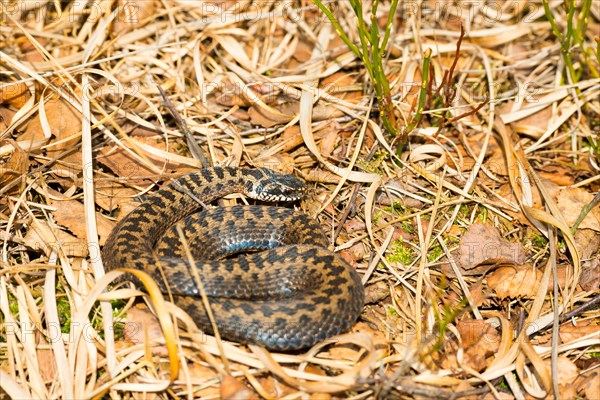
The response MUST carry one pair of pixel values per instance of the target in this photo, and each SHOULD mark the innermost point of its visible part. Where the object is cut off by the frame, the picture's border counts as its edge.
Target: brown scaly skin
(291, 295)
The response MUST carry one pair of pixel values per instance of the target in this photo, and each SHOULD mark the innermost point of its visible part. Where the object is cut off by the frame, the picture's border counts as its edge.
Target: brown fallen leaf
(200, 373)
(590, 274)
(587, 242)
(64, 122)
(71, 214)
(376, 292)
(6, 115)
(322, 176)
(291, 138)
(343, 86)
(321, 112)
(320, 396)
(14, 94)
(480, 297)
(125, 165)
(329, 136)
(533, 125)
(591, 384)
(132, 15)
(267, 117)
(569, 332)
(480, 341)
(463, 386)
(275, 387)
(29, 52)
(355, 225)
(356, 253)
(558, 174)
(515, 282)
(232, 389)
(280, 162)
(45, 356)
(570, 201)
(482, 244)
(14, 167)
(501, 396)
(113, 195)
(567, 373)
(45, 237)
(139, 326)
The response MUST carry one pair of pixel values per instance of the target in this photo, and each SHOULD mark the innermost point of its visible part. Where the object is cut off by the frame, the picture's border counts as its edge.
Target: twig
(595, 302)
(189, 138)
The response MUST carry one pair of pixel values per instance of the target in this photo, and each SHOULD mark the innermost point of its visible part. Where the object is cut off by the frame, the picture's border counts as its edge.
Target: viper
(268, 275)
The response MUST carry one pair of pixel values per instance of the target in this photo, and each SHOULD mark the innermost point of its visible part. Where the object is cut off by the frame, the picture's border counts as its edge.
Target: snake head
(269, 185)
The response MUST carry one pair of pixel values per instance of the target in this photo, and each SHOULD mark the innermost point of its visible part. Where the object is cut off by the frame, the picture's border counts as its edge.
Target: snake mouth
(280, 198)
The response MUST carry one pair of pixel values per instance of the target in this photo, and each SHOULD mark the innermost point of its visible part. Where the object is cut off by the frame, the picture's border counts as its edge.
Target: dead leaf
(127, 166)
(229, 94)
(303, 52)
(64, 121)
(591, 385)
(291, 138)
(478, 293)
(482, 244)
(113, 195)
(480, 341)
(559, 174)
(515, 282)
(502, 396)
(587, 242)
(590, 274)
(132, 15)
(321, 176)
(45, 356)
(232, 389)
(71, 214)
(280, 162)
(567, 373)
(6, 116)
(562, 271)
(45, 237)
(320, 396)
(200, 373)
(140, 326)
(321, 112)
(376, 292)
(570, 201)
(329, 137)
(267, 117)
(14, 94)
(569, 333)
(533, 125)
(275, 387)
(343, 86)
(355, 225)
(14, 167)
(463, 386)
(30, 53)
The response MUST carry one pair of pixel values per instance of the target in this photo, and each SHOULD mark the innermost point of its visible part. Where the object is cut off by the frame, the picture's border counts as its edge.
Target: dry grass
(85, 130)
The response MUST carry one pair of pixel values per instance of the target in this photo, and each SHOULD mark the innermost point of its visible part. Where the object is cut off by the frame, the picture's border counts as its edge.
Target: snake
(267, 272)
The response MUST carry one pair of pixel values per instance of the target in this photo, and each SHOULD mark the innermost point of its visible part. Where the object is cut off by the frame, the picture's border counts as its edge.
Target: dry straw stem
(272, 85)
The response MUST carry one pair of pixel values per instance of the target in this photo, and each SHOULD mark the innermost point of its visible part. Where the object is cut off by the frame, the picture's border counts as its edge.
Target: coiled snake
(289, 295)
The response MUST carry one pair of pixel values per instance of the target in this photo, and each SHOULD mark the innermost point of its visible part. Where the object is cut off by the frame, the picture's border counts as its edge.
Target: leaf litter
(459, 240)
